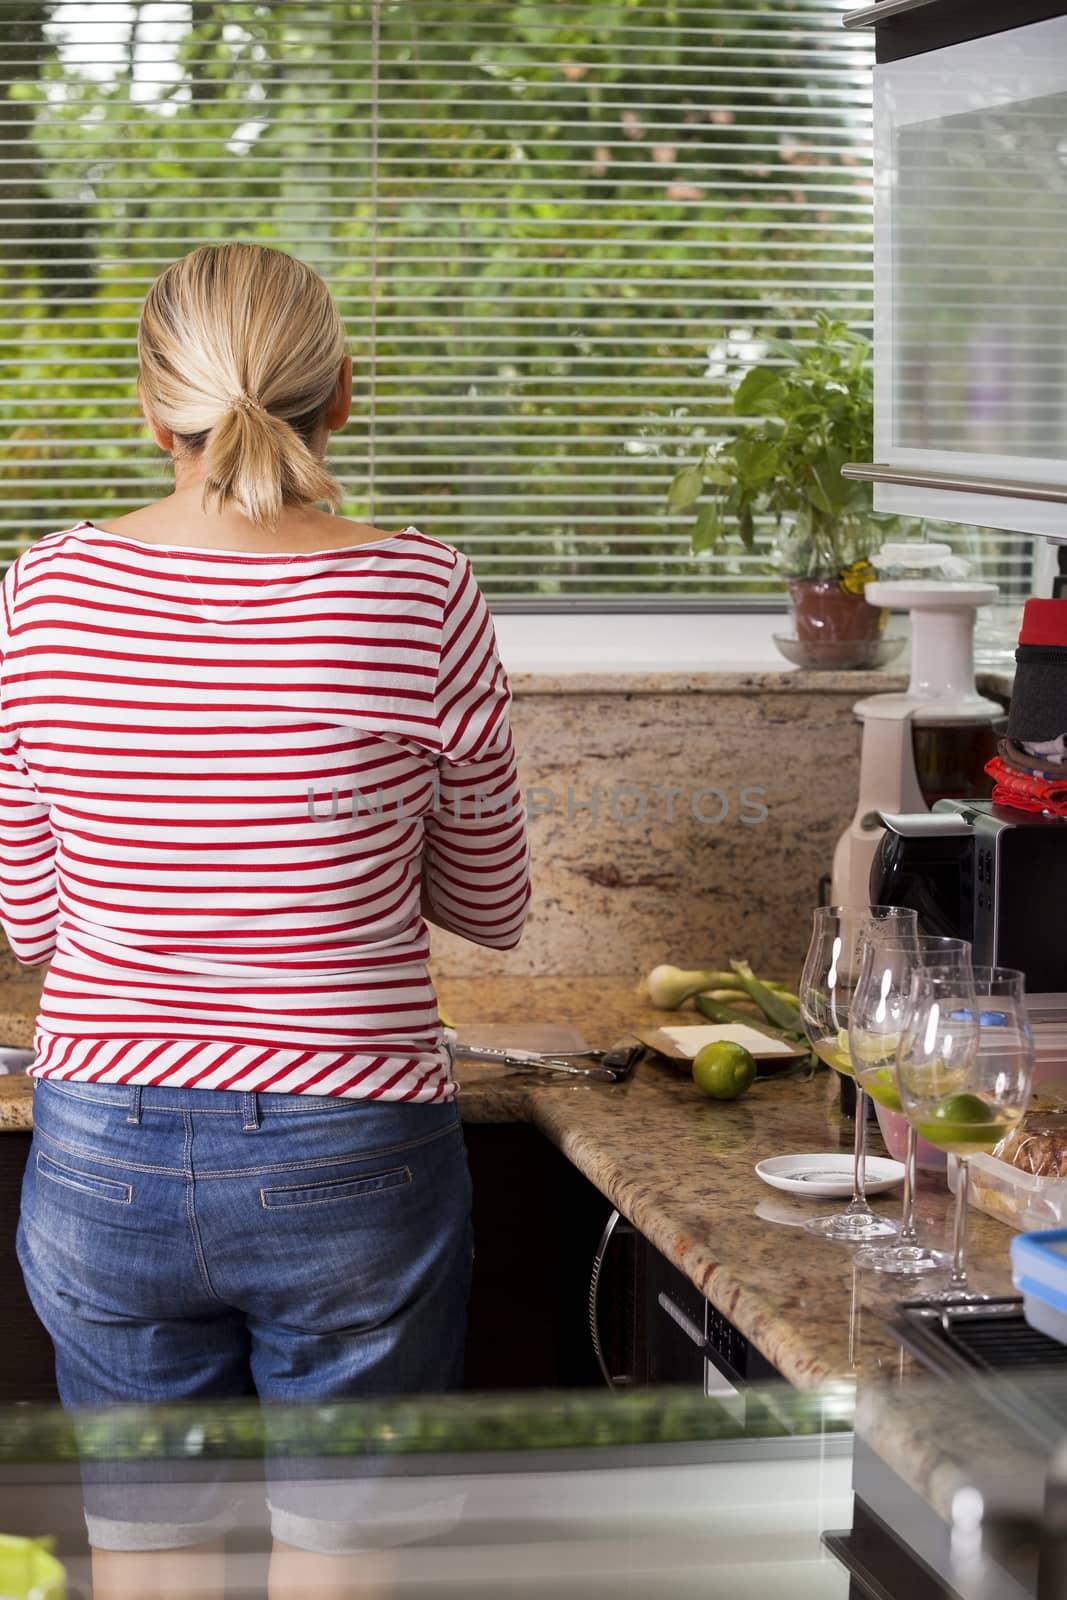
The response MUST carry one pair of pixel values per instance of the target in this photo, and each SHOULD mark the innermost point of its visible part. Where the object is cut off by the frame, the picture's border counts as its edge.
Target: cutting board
(681, 1043)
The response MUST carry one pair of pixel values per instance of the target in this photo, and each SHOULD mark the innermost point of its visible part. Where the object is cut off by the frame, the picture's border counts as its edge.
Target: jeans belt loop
(250, 1113)
(136, 1093)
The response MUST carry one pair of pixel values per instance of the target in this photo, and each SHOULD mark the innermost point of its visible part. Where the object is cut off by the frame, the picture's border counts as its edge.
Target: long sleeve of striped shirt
(476, 860)
(28, 897)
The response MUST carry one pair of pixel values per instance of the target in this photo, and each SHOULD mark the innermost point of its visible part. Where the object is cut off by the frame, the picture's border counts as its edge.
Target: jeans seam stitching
(327, 1161)
(246, 1172)
(190, 1208)
(110, 1161)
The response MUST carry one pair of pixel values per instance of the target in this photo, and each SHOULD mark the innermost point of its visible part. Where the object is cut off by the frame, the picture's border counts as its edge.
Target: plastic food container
(1048, 1023)
(1018, 1198)
(1039, 1272)
(29, 1571)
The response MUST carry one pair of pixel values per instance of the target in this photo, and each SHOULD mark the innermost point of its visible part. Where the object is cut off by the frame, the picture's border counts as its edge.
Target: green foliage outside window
(543, 222)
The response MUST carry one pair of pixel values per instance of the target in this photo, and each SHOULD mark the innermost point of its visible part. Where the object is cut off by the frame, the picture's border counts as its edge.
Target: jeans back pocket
(312, 1194)
(83, 1182)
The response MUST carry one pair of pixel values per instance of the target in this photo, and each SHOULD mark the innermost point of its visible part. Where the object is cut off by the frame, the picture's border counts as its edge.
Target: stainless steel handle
(926, 825)
(620, 1380)
(916, 478)
(871, 16)
(685, 1322)
(717, 1385)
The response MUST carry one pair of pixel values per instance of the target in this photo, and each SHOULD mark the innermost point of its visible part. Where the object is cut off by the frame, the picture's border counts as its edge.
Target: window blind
(555, 229)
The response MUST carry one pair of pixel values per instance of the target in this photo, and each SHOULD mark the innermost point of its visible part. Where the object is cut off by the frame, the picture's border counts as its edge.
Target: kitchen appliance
(649, 1324)
(987, 1339)
(1004, 1536)
(972, 870)
(970, 222)
(931, 741)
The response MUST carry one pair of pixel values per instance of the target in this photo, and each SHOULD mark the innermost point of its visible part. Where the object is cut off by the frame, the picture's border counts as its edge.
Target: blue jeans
(189, 1244)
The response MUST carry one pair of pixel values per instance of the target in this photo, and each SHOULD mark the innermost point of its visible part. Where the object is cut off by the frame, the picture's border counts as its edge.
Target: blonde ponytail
(240, 347)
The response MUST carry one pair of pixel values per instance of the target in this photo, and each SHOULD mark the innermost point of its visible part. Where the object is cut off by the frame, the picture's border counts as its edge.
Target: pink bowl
(894, 1126)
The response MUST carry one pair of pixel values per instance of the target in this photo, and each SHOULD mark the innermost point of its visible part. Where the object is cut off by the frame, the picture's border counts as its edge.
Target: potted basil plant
(807, 415)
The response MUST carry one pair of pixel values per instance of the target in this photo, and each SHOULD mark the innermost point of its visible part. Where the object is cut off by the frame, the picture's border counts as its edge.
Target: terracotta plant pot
(826, 612)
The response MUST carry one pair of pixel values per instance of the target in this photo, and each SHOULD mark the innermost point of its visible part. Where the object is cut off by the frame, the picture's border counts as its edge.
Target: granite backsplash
(686, 819)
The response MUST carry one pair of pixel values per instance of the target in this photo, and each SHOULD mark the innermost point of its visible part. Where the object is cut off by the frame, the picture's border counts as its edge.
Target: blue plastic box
(1039, 1272)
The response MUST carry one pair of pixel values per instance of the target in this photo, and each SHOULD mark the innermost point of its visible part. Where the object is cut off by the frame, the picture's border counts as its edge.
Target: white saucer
(829, 1175)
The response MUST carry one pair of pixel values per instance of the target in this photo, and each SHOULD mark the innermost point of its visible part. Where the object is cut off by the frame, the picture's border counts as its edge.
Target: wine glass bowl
(969, 1112)
(840, 935)
(965, 1070)
(876, 1025)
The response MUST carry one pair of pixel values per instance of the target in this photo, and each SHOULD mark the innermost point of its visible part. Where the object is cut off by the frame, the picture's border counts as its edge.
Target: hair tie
(243, 402)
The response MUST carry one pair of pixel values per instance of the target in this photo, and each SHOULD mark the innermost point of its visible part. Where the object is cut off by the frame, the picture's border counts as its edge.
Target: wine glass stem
(909, 1234)
(959, 1231)
(858, 1204)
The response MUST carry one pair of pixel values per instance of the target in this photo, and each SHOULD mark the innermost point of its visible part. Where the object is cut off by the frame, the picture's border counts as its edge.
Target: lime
(724, 1071)
(835, 1053)
(961, 1119)
(883, 1088)
(869, 1048)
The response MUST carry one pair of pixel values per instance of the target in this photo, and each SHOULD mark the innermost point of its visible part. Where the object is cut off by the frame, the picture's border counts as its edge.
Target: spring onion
(775, 1007)
(669, 987)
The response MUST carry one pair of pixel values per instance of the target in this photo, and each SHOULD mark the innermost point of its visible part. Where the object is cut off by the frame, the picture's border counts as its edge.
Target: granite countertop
(732, 679)
(727, 679)
(19, 995)
(680, 1167)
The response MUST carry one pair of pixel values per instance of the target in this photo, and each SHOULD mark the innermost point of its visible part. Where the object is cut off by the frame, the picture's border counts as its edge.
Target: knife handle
(473, 1052)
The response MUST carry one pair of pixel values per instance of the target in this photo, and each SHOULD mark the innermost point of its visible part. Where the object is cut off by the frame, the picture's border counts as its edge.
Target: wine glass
(875, 1025)
(831, 969)
(964, 1069)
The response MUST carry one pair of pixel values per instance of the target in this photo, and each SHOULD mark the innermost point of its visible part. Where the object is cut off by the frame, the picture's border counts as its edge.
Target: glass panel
(970, 237)
(980, 235)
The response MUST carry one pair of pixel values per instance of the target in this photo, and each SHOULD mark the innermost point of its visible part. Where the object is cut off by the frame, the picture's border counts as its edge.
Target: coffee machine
(973, 870)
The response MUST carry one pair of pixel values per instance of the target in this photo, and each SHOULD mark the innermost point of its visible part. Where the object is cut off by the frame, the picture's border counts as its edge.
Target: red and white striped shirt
(224, 780)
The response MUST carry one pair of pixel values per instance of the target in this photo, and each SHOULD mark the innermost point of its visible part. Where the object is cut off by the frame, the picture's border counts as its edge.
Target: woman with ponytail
(247, 749)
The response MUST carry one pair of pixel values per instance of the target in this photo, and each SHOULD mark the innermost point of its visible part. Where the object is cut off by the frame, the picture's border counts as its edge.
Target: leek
(669, 987)
(716, 1011)
(731, 997)
(775, 1007)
